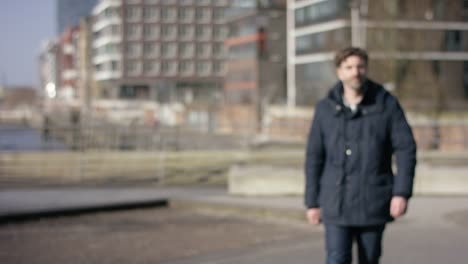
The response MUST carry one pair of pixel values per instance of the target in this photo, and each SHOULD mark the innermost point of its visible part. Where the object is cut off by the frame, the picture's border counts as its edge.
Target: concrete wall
(268, 172)
(265, 180)
(435, 175)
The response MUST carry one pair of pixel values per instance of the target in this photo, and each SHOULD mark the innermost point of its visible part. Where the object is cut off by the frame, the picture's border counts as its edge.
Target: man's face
(352, 72)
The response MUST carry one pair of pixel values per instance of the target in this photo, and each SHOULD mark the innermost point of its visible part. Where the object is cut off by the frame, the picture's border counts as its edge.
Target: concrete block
(442, 180)
(251, 180)
(265, 180)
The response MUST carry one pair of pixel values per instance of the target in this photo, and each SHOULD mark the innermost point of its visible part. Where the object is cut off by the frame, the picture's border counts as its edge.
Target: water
(16, 138)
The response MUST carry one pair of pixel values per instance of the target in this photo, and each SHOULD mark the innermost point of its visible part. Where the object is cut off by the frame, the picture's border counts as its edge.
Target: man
(350, 186)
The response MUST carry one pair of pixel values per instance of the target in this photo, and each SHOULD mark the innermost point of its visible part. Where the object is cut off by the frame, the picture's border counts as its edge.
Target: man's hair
(343, 54)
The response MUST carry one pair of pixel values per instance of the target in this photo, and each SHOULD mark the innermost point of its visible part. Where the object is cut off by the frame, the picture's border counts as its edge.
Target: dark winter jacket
(348, 164)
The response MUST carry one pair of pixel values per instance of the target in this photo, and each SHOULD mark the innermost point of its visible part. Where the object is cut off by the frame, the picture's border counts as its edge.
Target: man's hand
(313, 216)
(398, 206)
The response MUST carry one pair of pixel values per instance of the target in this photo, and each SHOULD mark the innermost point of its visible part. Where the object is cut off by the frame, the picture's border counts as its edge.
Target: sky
(24, 25)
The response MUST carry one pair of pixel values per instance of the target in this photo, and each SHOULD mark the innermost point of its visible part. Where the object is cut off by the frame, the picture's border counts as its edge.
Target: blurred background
(171, 92)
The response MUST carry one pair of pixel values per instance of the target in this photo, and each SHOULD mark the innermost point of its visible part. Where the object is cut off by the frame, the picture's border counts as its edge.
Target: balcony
(107, 75)
(104, 4)
(98, 59)
(104, 40)
(69, 74)
(68, 49)
(104, 22)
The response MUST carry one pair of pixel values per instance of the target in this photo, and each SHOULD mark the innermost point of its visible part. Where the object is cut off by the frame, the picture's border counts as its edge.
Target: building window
(391, 7)
(203, 2)
(219, 32)
(313, 80)
(186, 14)
(186, 67)
(169, 32)
(465, 78)
(218, 14)
(150, 50)
(218, 68)
(134, 91)
(133, 32)
(438, 9)
(316, 12)
(108, 13)
(150, 14)
(329, 41)
(203, 14)
(133, 13)
(99, 67)
(186, 32)
(186, 2)
(168, 14)
(133, 50)
(203, 32)
(97, 34)
(133, 68)
(299, 16)
(150, 2)
(203, 50)
(150, 67)
(221, 2)
(169, 68)
(243, 51)
(218, 49)
(169, 50)
(186, 50)
(107, 49)
(151, 32)
(115, 66)
(203, 68)
(168, 2)
(453, 40)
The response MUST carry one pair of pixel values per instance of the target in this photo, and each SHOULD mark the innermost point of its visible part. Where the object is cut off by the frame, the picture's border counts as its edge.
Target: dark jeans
(339, 241)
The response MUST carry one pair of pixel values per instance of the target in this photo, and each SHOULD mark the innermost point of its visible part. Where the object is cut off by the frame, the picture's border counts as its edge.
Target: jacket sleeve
(314, 162)
(404, 149)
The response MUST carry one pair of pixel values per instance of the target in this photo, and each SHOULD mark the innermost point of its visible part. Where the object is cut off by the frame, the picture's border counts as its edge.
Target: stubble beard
(356, 85)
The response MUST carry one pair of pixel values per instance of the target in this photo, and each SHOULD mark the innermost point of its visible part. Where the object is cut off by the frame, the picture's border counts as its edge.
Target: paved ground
(434, 231)
(138, 236)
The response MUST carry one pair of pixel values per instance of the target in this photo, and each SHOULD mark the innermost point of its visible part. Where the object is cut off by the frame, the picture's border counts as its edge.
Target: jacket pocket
(378, 200)
(331, 198)
(381, 179)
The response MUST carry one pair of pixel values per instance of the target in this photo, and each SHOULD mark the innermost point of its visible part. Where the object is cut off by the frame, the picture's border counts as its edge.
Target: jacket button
(338, 107)
(348, 152)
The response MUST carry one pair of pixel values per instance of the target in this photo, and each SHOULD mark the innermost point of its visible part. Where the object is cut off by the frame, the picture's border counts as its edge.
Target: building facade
(418, 49)
(86, 84)
(69, 12)
(161, 50)
(69, 63)
(48, 69)
(256, 64)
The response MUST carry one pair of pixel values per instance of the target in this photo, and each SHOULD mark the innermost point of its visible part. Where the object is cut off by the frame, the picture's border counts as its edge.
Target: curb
(80, 210)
